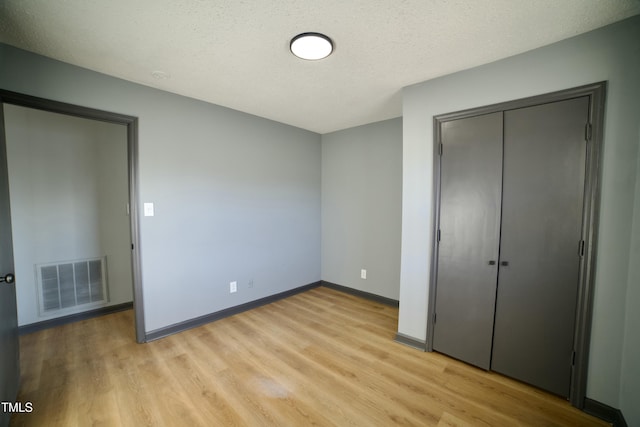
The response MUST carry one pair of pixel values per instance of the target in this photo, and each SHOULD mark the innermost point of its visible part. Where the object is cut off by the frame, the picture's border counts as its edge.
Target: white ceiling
(235, 53)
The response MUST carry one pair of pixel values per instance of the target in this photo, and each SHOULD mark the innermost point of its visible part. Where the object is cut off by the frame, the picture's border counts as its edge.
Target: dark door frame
(8, 97)
(590, 217)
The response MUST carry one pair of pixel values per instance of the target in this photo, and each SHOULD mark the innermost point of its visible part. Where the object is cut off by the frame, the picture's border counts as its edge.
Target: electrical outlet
(363, 274)
(233, 287)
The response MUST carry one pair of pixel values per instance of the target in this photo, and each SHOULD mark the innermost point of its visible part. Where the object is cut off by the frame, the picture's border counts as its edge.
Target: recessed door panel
(470, 181)
(543, 186)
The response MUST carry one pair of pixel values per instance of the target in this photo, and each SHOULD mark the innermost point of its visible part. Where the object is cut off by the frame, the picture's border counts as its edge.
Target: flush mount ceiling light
(311, 46)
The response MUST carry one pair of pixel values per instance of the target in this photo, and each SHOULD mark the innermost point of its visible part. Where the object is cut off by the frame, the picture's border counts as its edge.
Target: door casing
(596, 93)
(8, 97)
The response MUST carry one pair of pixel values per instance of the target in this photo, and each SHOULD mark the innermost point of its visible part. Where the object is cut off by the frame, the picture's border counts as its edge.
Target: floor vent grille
(66, 285)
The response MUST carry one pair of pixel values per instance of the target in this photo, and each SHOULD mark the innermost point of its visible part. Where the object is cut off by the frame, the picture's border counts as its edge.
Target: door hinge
(573, 358)
(588, 129)
(440, 149)
(132, 246)
(581, 251)
(434, 318)
(438, 235)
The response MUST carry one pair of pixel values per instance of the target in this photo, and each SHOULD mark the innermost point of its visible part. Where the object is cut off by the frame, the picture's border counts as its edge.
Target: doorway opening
(87, 277)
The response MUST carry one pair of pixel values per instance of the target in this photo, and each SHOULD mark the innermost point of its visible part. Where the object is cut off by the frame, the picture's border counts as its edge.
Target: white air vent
(67, 285)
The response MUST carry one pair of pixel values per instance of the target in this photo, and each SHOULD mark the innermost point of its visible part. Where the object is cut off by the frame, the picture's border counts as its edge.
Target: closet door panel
(470, 179)
(543, 186)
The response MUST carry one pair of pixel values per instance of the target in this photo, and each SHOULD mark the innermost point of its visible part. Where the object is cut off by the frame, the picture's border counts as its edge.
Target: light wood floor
(318, 358)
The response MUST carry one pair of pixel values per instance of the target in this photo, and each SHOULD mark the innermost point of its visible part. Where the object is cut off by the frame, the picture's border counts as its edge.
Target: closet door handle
(504, 263)
(492, 262)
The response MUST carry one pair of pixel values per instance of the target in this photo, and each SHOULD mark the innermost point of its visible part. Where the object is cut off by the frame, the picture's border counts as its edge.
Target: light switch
(148, 209)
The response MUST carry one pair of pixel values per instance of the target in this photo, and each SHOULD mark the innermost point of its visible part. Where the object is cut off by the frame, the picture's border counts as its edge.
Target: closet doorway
(516, 224)
(87, 277)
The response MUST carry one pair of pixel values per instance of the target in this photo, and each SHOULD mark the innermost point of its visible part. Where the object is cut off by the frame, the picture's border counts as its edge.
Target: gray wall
(237, 197)
(611, 53)
(361, 207)
(68, 184)
(630, 371)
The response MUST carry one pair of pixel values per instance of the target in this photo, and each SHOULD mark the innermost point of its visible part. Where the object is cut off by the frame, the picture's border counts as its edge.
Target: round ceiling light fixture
(311, 46)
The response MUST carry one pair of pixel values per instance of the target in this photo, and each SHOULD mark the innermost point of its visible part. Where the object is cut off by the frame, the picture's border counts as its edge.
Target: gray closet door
(470, 182)
(543, 187)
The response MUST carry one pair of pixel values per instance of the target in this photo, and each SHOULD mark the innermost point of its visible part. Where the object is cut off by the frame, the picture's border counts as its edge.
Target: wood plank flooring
(321, 358)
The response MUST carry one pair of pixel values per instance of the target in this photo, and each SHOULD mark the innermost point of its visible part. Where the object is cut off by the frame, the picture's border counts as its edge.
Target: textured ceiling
(235, 53)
